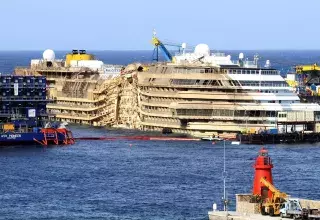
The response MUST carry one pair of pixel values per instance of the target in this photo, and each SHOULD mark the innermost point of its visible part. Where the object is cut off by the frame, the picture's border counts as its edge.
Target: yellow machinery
(307, 68)
(8, 127)
(159, 45)
(78, 55)
(271, 206)
(307, 79)
(292, 83)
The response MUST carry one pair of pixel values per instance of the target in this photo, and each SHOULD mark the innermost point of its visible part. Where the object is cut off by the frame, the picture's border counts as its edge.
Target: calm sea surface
(142, 179)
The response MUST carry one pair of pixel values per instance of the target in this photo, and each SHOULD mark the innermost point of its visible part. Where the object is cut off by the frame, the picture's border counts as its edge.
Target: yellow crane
(307, 68)
(271, 206)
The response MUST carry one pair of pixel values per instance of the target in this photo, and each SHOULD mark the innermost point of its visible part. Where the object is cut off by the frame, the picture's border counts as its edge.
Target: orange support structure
(51, 135)
(68, 138)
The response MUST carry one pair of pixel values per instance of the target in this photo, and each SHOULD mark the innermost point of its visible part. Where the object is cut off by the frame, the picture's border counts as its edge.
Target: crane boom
(157, 43)
(272, 205)
(307, 68)
(273, 189)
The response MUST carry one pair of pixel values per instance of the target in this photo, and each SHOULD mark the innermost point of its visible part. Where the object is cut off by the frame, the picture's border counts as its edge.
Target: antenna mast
(225, 199)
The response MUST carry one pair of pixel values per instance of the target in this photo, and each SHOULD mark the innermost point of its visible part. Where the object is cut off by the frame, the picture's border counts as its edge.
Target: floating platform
(286, 138)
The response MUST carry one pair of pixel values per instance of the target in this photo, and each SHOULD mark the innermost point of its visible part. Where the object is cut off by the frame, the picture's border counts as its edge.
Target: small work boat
(212, 139)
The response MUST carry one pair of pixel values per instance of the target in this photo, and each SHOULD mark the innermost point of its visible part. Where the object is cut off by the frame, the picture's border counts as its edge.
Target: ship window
(214, 83)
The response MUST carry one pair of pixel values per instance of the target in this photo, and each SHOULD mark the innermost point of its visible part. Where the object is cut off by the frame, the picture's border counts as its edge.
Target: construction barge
(266, 202)
(23, 116)
(285, 138)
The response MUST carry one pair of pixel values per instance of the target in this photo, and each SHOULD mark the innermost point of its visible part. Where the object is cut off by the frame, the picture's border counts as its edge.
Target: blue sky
(128, 24)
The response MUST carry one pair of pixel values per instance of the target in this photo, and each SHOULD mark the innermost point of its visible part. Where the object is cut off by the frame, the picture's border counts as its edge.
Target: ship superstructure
(208, 93)
(77, 85)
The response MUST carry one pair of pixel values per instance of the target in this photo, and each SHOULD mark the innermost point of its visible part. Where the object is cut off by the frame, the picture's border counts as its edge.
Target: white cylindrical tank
(49, 55)
(92, 64)
(202, 50)
(74, 63)
(35, 62)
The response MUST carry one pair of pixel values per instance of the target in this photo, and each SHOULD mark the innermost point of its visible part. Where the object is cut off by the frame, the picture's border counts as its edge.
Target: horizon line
(125, 50)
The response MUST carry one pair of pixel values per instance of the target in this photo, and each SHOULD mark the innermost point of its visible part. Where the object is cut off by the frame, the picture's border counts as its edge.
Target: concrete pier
(246, 210)
(222, 215)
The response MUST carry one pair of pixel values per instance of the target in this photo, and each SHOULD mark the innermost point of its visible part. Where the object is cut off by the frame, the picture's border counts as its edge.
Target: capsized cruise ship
(198, 93)
(79, 86)
(204, 93)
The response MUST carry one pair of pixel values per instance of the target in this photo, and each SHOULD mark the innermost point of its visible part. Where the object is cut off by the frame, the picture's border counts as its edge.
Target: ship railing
(208, 71)
(161, 121)
(22, 98)
(10, 114)
(230, 117)
(23, 85)
(235, 62)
